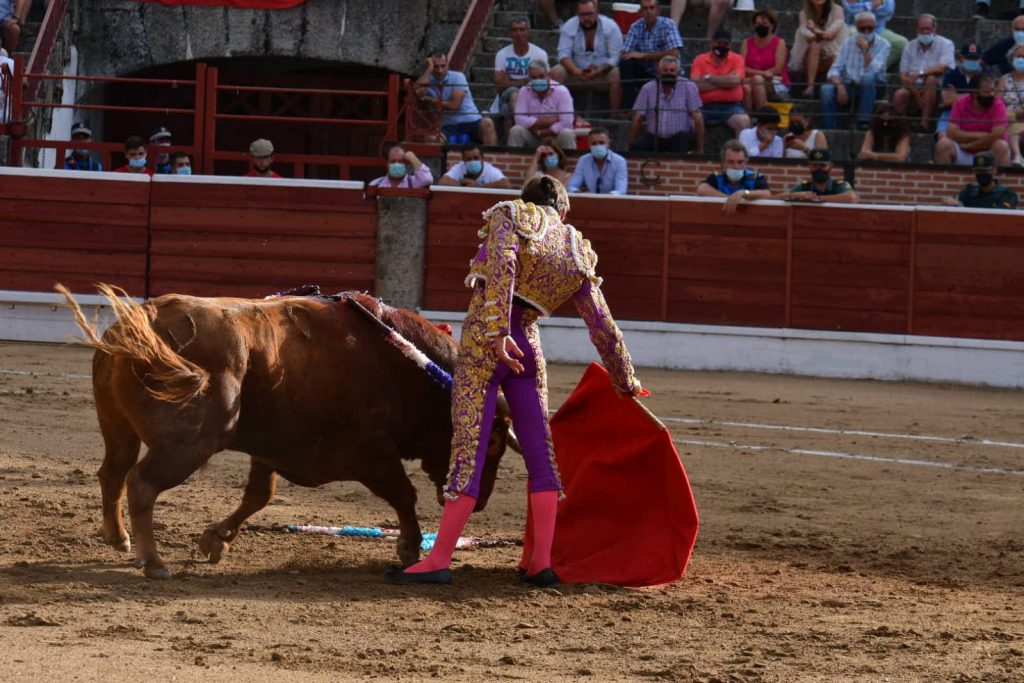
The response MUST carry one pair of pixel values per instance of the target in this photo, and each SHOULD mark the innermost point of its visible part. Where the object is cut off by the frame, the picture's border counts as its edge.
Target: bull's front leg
(389, 481)
(259, 490)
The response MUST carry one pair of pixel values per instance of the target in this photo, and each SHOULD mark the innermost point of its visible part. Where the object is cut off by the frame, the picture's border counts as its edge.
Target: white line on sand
(28, 373)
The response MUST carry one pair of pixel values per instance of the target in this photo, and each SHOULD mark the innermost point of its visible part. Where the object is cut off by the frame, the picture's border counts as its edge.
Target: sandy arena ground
(807, 568)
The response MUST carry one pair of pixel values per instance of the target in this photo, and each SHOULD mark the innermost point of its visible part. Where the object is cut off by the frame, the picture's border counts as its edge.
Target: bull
(308, 388)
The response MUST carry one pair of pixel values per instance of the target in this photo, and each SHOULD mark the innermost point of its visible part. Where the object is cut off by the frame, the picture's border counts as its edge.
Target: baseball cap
(159, 133)
(984, 160)
(819, 155)
(261, 148)
(970, 51)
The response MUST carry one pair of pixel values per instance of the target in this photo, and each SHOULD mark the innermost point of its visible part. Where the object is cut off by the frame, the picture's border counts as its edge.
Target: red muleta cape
(628, 517)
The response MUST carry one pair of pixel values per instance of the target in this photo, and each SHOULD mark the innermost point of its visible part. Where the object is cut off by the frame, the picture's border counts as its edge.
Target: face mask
(972, 66)
(669, 80)
(819, 175)
(762, 31)
(551, 161)
(987, 100)
(539, 84)
(1018, 37)
(926, 38)
(721, 52)
(1018, 63)
(599, 151)
(983, 179)
(797, 128)
(474, 167)
(735, 174)
(869, 37)
(184, 170)
(137, 163)
(396, 170)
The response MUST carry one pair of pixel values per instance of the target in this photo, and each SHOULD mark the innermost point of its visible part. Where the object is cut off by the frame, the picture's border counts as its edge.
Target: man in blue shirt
(449, 91)
(649, 39)
(860, 68)
(81, 159)
(736, 182)
(602, 171)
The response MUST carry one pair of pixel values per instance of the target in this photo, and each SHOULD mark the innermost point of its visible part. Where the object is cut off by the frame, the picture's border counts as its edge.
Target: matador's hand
(507, 347)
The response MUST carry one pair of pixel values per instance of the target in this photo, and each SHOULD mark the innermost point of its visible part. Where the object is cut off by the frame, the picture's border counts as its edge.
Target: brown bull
(309, 388)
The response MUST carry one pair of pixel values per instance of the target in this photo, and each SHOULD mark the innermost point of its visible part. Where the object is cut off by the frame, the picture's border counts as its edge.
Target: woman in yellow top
(529, 263)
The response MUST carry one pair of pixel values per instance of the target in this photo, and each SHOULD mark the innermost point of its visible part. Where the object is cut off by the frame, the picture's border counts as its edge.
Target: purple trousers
(527, 399)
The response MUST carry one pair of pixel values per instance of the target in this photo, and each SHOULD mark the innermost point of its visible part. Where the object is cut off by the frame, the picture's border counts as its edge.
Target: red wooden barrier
(252, 237)
(75, 228)
(969, 274)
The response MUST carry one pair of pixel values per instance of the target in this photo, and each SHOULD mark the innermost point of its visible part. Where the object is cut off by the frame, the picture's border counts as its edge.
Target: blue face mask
(972, 66)
(396, 170)
(551, 161)
(539, 84)
(184, 170)
(1018, 63)
(1018, 37)
(869, 37)
(474, 167)
(137, 163)
(599, 151)
(925, 38)
(735, 174)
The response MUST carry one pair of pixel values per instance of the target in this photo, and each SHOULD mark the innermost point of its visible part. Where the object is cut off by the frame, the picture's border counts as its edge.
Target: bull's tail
(168, 377)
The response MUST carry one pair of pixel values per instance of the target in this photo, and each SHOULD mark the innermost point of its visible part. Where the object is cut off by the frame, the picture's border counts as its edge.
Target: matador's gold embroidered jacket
(528, 252)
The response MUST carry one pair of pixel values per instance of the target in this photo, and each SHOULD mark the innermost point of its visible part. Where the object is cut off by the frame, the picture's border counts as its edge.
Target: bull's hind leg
(389, 481)
(159, 470)
(121, 453)
(217, 538)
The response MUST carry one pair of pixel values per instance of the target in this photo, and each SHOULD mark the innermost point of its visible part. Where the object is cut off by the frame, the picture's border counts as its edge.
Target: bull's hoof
(215, 543)
(138, 563)
(117, 541)
(159, 573)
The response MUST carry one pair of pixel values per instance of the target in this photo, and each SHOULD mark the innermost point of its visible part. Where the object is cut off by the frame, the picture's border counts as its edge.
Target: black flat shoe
(545, 578)
(441, 576)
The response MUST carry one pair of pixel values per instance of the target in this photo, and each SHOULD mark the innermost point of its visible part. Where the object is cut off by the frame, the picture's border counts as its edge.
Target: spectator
(977, 123)
(716, 12)
(955, 83)
(5, 61)
(262, 153)
(983, 7)
(449, 91)
(819, 38)
(602, 171)
(545, 109)
(399, 163)
(736, 182)
(551, 12)
(549, 159)
(860, 67)
(883, 11)
(161, 137)
(670, 107)
(996, 55)
(763, 140)
(512, 67)
(180, 164)
(801, 137)
(1011, 89)
(649, 39)
(987, 193)
(719, 76)
(922, 67)
(473, 171)
(888, 139)
(13, 14)
(764, 55)
(589, 46)
(81, 159)
(135, 152)
(821, 187)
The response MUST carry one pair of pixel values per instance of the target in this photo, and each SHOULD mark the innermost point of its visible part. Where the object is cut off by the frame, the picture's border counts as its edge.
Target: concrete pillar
(401, 250)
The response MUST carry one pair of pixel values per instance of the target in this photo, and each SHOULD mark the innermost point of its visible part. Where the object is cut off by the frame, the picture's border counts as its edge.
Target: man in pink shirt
(977, 123)
(544, 110)
(400, 162)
